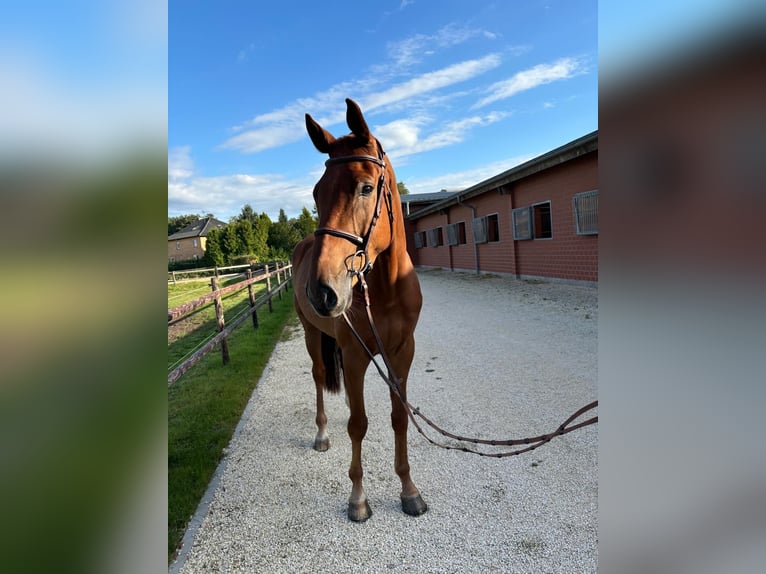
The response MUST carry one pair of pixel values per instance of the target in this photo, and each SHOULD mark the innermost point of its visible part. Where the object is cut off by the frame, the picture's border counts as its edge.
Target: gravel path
(495, 357)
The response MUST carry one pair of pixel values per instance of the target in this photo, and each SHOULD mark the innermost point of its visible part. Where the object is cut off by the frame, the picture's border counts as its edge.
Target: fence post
(174, 277)
(268, 286)
(251, 296)
(220, 321)
(279, 282)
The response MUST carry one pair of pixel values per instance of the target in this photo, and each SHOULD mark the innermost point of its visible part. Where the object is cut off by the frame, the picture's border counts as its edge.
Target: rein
(394, 384)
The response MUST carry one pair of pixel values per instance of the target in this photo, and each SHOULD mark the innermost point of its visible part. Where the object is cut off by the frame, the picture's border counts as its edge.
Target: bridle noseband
(362, 241)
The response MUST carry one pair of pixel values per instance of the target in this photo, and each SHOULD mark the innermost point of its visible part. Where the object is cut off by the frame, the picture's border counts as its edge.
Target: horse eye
(366, 189)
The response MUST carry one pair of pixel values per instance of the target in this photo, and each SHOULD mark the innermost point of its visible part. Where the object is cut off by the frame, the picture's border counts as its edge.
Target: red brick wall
(565, 255)
(432, 256)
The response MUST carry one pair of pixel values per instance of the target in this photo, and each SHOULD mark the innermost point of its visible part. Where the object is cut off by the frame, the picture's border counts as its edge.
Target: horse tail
(333, 364)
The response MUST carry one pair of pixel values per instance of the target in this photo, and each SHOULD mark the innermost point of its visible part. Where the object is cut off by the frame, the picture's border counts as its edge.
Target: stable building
(538, 220)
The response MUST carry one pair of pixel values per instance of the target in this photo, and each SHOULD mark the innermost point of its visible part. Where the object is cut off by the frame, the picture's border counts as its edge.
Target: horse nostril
(326, 297)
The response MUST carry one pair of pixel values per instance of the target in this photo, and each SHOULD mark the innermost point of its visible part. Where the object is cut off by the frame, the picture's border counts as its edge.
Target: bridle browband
(362, 241)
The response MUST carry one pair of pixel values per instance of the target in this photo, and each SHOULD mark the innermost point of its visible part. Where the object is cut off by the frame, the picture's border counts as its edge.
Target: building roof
(427, 197)
(199, 228)
(581, 146)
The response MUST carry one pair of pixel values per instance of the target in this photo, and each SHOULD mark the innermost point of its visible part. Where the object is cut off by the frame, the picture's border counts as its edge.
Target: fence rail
(210, 271)
(283, 275)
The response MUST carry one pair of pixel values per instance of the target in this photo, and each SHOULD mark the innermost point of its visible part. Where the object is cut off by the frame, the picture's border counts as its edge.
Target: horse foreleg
(412, 502)
(322, 440)
(358, 507)
(318, 370)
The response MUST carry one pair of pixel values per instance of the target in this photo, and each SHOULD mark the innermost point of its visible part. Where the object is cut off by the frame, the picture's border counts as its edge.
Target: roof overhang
(574, 149)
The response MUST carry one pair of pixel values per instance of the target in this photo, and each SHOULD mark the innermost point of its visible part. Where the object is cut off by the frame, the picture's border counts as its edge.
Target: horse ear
(320, 137)
(355, 120)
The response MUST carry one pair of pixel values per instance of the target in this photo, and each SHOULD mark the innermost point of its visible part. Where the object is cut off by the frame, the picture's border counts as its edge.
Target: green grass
(204, 406)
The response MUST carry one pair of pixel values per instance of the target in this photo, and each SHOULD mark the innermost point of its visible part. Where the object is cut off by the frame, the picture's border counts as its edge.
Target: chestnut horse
(360, 243)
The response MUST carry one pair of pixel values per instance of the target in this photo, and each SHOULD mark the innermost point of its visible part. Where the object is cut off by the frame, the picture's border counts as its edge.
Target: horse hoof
(321, 445)
(414, 505)
(359, 512)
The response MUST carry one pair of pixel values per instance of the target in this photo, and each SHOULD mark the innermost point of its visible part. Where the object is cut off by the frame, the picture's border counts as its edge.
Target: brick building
(538, 220)
(189, 242)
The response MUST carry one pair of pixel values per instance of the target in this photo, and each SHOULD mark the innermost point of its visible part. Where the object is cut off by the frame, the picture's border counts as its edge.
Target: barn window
(493, 228)
(542, 225)
(456, 233)
(532, 222)
(435, 237)
(178, 245)
(486, 229)
(586, 212)
(420, 239)
(195, 243)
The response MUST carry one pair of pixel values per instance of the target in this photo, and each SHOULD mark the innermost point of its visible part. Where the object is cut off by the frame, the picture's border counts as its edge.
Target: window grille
(586, 212)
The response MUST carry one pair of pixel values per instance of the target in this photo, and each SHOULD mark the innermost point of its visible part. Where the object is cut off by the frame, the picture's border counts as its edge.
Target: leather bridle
(383, 194)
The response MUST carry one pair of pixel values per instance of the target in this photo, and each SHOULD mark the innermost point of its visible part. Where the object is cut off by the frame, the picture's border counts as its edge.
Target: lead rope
(394, 385)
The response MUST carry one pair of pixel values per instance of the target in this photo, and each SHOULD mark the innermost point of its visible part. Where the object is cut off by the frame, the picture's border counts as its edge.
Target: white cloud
(180, 164)
(561, 69)
(464, 179)
(399, 133)
(450, 133)
(285, 125)
(432, 81)
(224, 196)
(410, 50)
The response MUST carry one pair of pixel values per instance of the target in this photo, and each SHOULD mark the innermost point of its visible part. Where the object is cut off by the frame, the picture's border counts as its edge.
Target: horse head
(354, 191)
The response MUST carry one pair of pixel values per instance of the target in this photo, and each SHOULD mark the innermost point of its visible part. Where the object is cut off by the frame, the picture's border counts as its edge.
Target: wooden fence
(182, 274)
(283, 275)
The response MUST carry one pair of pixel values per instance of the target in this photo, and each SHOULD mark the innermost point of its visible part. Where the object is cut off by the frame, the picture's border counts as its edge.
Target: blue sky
(456, 91)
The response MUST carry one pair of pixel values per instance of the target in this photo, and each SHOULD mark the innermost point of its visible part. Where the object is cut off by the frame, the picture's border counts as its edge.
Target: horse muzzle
(328, 300)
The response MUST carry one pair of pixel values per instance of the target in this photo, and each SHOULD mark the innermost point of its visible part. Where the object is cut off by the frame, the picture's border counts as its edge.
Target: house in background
(189, 242)
(538, 220)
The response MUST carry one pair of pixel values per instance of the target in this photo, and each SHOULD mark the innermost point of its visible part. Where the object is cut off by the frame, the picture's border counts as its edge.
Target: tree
(232, 246)
(213, 248)
(402, 188)
(283, 237)
(247, 214)
(306, 223)
(179, 222)
(261, 228)
(246, 235)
